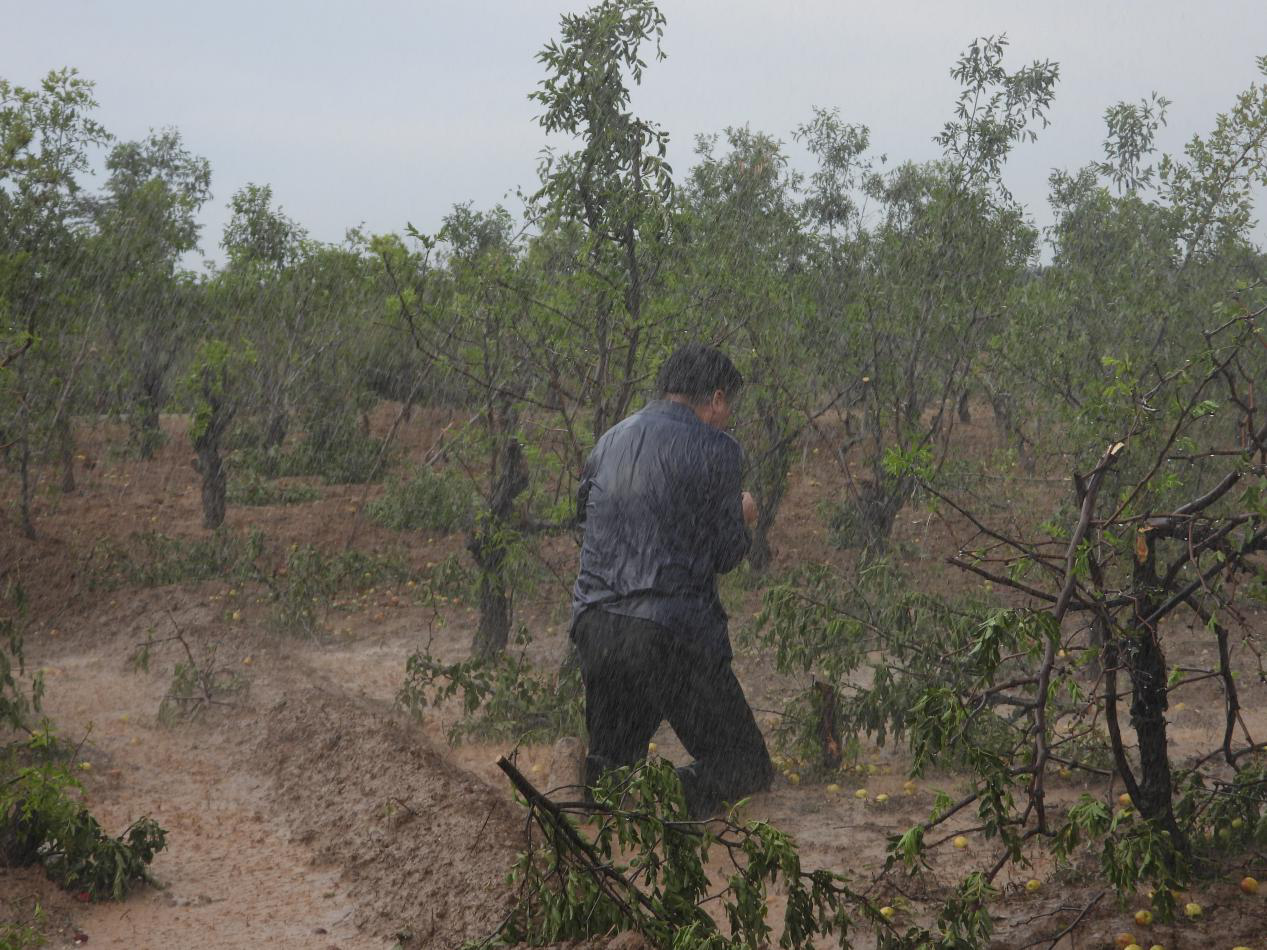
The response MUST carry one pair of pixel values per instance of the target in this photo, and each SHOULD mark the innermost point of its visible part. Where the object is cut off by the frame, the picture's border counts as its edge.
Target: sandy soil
(310, 813)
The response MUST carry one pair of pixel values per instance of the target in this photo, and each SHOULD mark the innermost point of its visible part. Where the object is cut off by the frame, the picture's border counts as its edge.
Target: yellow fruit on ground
(881, 798)
(833, 788)
(1065, 773)
(1033, 884)
(960, 842)
(1179, 707)
(908, 786)
(888, 913)
(1134, 946)
(793, 778)
(247, 661)
(1249, 885)
(860, 793)
(1123, 940)
(237, 615)
(1124, 799)
(1143, 917)
(1192, 910)
(1156, 946)
(86, 766)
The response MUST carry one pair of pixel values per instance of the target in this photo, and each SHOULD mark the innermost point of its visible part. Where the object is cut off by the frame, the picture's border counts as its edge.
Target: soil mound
(424, 846)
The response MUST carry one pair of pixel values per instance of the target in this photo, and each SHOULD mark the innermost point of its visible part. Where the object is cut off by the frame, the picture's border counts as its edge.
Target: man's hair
(696, 371)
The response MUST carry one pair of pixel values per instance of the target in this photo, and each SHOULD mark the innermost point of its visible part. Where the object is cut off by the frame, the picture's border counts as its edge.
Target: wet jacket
(660, 504)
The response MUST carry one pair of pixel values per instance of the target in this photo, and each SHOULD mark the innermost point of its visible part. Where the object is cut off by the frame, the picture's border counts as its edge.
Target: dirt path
(306, 816)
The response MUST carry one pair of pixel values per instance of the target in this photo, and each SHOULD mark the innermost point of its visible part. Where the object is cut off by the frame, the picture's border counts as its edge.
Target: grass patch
(153, 559)
(253, 490)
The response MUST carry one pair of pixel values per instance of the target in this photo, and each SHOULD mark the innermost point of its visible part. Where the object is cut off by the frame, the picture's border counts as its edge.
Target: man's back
(660, 503)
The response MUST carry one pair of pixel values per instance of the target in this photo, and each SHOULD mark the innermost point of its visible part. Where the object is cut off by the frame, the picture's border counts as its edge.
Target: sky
(388, 112)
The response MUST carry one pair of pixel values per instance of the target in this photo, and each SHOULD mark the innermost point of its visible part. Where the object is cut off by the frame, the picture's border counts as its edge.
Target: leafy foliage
(640, 865)
(153, 559)
(41, 821)
(423, 500)
(502, 697)
(302, 589)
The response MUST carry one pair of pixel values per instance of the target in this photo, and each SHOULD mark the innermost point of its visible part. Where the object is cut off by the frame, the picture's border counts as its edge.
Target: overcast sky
(390, 112)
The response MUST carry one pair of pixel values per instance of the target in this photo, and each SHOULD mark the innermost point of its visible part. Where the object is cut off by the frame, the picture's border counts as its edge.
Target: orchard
(289, 541)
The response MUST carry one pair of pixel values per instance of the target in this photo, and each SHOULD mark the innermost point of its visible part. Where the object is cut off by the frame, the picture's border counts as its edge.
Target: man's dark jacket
(660, 503)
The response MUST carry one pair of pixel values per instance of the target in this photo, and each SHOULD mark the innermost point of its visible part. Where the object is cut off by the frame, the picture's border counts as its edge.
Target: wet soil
(309, 812)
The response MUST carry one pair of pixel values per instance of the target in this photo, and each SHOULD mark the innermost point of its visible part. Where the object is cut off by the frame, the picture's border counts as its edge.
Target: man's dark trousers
(637, 674)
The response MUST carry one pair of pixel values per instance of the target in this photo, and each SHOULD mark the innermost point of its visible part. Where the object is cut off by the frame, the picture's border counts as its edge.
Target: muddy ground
(310, 812)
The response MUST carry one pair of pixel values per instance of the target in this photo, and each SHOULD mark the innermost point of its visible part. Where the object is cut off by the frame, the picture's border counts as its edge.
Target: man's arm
(732, 539)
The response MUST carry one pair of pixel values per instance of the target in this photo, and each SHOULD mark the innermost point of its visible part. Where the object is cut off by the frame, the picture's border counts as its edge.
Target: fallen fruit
(237, 615)
(1065, 773)
(794, 778)
(833, 788)
(881, 798)
(888, 913)
(1124, 799)
(960, 842)
(1033, 884)
(860, 793)
(1249, 885)
(1192, 910)
(1123, 940)
(247, 661)
(1143, 917)
(86, 766)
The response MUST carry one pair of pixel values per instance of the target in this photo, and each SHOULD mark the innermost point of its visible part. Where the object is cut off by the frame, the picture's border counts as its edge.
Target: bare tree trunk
(769, 483)
(24, 466)
(214, 485)
(1144, 660)
(66, 447)
(487, 546)
(277, 427)
(209, 463)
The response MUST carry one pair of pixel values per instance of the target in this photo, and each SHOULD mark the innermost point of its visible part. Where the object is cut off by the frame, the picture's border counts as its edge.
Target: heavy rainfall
(783, 541)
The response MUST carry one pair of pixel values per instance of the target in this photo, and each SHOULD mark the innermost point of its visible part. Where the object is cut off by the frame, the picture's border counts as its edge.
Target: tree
(604, 211)
(908, 303)
(215, 385)
(1166, 519)
(741, 263)
(146, 222)
(460, 314)
(45, 135)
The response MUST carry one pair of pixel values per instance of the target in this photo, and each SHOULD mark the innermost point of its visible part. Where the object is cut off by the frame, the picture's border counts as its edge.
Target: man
(663, 515)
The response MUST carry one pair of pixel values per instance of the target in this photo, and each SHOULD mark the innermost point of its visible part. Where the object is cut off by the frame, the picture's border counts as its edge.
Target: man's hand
(749, 508)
